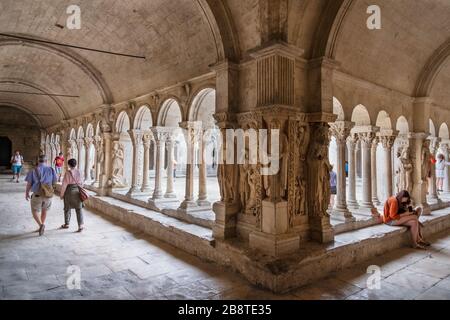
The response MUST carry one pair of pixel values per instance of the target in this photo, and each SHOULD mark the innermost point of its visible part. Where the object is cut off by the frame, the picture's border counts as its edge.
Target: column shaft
(351, 146)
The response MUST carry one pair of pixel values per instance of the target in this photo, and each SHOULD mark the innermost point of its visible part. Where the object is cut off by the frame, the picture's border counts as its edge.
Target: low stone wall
(312, 262)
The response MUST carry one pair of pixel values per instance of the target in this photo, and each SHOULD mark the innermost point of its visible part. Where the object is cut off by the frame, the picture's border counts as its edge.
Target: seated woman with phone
(399, 212)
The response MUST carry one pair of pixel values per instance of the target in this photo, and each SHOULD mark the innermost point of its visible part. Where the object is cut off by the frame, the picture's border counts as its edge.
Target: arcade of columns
(273, 213)
(396, 177)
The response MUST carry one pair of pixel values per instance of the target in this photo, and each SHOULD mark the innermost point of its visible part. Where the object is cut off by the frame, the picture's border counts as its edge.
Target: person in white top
(440, 171)
(16, 165)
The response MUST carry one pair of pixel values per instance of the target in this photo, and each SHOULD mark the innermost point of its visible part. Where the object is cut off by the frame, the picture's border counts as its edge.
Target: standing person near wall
(440, 171)
(16, 165)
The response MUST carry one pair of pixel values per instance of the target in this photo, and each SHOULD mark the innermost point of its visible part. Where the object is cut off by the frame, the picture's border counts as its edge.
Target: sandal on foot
(420, 246)
(65, 226)
(42, 229)
(80, 229)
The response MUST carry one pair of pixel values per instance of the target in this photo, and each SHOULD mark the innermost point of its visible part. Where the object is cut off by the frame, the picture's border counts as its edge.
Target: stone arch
(39, 88)
(402, 125)
(90, 130)
(338, 109)
(69, 55)
(443, 131)
(122, 122)
(143, 118)
(431, 70)
(80, 132)
(384, 120)
(329, 29)
(72, 135)
(170, 113)
(203, 106)
(98, 130)
(360, 116)
(432, 128)
(22, 108)
(122, 126)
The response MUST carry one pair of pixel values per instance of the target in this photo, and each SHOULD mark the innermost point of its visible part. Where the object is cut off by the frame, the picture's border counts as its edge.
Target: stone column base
(160, 203)
(321, 229)
(225, 224)
(274, 245)
(134, 192)
(344, 214)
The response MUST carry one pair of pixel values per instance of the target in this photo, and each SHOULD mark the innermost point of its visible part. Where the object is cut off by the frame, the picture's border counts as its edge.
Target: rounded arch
(80, 133)
(330, 26)
(67, 54)
(170, 113)
(73, 134)
(384, 120)
(122, 122)
(431, 70)
(360, 116)
(432, 128)
(203, 106)
(98, 131)
(22, 108)
(143, 118)
(338, 109)
(89, 130)
(59, 104)
(402, 125)
(443, 131)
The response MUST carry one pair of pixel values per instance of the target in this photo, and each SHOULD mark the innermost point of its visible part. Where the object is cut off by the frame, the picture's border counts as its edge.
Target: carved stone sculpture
(319, 171)
(404, 170)
(425, 160)
(117, 178)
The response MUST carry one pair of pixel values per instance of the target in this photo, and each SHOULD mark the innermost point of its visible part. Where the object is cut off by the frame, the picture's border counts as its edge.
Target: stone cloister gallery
(148, 126)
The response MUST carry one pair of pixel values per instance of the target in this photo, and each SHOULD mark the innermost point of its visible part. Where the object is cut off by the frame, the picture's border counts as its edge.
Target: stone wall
(25, 139)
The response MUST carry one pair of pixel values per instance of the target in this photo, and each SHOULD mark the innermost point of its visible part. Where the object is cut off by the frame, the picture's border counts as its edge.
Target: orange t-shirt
(390, 210)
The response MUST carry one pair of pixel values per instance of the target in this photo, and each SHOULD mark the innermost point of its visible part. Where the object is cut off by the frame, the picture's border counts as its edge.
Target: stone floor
(119, 263)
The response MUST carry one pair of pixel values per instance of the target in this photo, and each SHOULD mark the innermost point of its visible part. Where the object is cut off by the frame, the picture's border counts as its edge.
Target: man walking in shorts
(40, 204)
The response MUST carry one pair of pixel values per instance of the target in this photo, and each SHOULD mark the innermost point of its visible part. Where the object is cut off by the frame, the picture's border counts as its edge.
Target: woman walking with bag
(72, 193)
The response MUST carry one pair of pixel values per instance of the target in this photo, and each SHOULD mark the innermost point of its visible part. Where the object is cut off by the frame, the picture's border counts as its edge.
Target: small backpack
(45, 190)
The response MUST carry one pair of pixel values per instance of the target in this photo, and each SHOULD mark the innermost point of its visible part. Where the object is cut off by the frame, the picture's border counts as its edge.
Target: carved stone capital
(340, 130)
(136, 136)
(387, 141)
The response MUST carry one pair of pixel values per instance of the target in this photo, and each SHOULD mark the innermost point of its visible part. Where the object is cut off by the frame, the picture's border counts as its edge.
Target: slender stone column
(202, 192)
(87, 170)
(147, 139)
(420, 154)
(432, 190)
(160, 144)
(80, 160)
(366, 139)
(191, 132)
(341, 131)
(445, 151)
(351, 147)
(170, 144)
(373, 159)
(99, 158)
(387, 141)
(136, 140)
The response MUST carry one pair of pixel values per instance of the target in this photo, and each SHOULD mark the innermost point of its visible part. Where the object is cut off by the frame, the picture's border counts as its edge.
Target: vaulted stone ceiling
(182, 38)
(174, 36)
